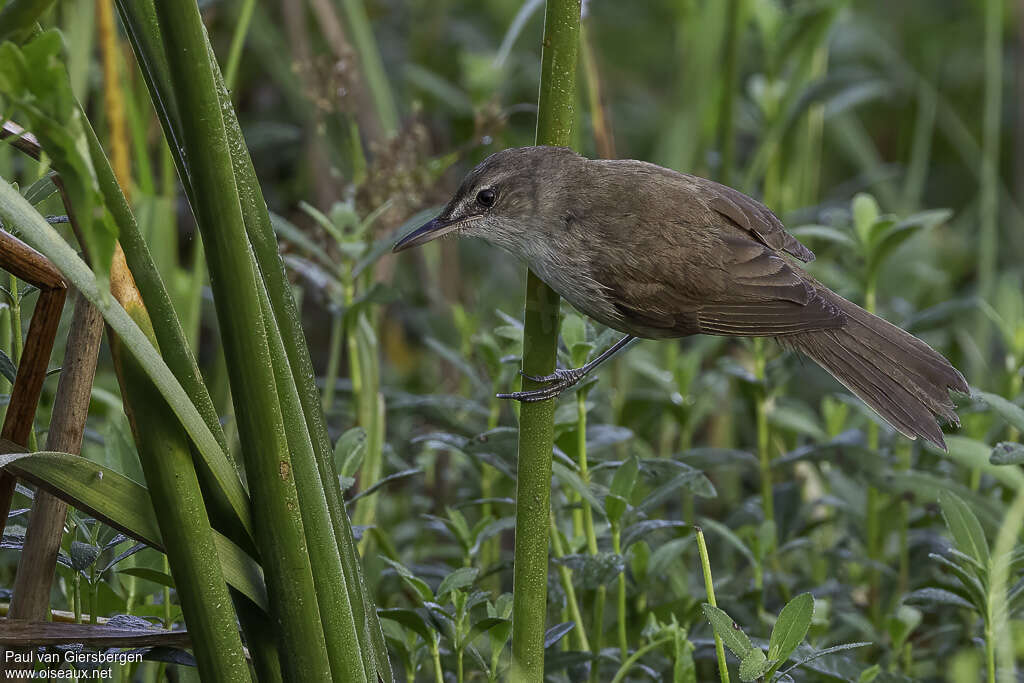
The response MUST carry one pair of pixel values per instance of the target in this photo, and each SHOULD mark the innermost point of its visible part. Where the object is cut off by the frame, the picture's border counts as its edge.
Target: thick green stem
(709, 587)
(184, 526)
(278, 521)
(556, 116)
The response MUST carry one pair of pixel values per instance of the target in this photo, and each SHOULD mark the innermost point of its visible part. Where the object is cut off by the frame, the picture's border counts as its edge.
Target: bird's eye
(486, 197)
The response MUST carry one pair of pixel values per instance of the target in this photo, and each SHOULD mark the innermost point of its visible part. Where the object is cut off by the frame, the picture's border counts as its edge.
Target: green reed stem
(709, 587)
(555, 120)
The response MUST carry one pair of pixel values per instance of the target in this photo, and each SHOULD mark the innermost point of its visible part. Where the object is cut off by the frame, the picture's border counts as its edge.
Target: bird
(658, 254)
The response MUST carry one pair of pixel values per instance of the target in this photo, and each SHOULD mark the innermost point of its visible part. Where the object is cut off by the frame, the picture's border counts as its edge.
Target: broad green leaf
(149, 575)
(416, 583)
(124, 505)
(791, 627)
(965, 527)
(754, 665)
(457, 580)
(729, 631)
(410, 619)
(484, 625)
(974, 454)
(1009, 411)
(617, 500)
(41, 236)
(349, 451)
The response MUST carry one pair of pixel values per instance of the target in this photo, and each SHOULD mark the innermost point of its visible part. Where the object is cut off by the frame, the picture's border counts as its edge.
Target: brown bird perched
(658, 254)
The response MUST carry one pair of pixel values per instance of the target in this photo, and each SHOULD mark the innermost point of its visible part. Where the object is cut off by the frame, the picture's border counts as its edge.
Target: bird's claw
(556, 382)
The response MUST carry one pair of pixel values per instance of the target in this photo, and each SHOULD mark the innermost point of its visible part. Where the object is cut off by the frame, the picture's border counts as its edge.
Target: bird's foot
(556, 382)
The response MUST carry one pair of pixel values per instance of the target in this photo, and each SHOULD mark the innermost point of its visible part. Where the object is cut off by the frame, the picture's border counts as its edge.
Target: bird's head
(503, 200)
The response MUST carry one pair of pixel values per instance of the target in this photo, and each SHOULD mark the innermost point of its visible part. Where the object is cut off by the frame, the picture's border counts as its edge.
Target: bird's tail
(903, 379)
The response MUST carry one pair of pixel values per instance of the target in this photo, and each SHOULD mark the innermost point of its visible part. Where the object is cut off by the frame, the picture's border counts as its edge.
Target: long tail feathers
(903, 379)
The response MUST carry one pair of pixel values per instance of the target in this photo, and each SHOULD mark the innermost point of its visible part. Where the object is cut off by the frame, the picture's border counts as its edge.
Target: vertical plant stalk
(279, 291)
(764, 456)
(565, 576)
(238, 42)
(276, 512)
(588, 524)
(604, 139)
(555, 120)
(873, 502)
(113, 96)
(998, 636)
(620, 582)
(727, 109)
(372, 66)
(184, 525)
(709, 587)
(989, 176)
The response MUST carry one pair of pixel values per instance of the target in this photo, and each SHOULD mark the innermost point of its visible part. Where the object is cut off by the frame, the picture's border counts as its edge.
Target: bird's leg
(562, 379)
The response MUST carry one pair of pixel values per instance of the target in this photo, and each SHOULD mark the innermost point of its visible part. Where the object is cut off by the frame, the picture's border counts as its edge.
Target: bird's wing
(750, 291)
(754, 217)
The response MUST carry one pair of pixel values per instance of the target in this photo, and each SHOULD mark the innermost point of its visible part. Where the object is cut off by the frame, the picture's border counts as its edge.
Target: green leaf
(418, 585)
(34, 81)
(1007, 453)
(965, 527)
(901, 624)
(865, 213)
(484, 625)
(791, 627)
(41, 236)
(974, 454)
(824, 232)
(40, 189)
(729, 631)
(349, 451)
(936, 596)
(457, 580)
(148, 574)
(617, 500)
(754, 665)
(410, 619)
(569, 478)
(1011, 412)
(7, 368)
(124, 505)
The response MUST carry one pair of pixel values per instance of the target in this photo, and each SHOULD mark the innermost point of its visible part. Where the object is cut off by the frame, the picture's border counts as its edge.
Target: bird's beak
(430, 231)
